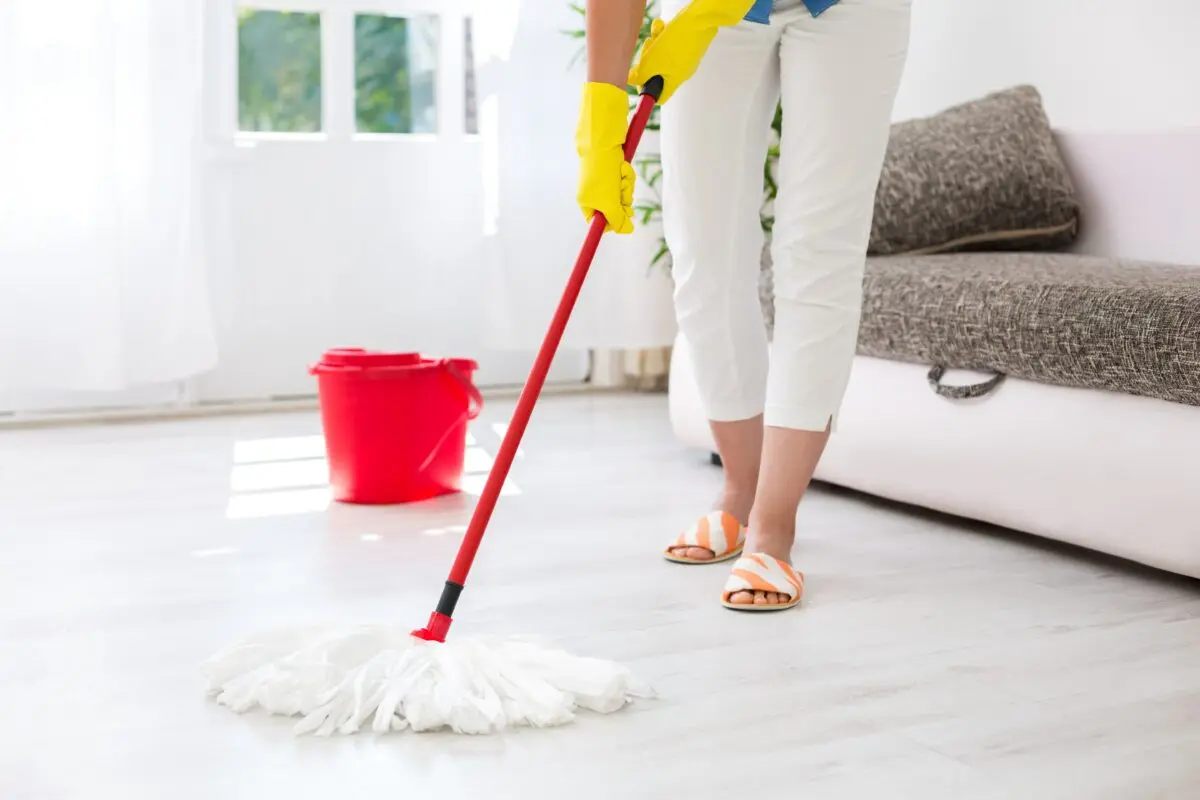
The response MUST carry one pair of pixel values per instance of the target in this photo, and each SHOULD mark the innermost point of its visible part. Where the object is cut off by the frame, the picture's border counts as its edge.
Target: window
(395, 73)
(279, 71)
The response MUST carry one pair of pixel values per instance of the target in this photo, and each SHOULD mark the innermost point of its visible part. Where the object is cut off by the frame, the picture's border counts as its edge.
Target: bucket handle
(474, 397)
(474, 408)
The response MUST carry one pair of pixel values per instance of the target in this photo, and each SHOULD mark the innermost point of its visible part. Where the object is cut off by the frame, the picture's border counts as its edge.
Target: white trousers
(837, 76)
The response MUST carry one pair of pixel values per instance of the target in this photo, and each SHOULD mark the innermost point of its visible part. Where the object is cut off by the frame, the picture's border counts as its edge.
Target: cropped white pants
(837, 76)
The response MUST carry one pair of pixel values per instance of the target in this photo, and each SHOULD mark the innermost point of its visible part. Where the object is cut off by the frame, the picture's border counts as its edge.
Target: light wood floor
(933, 659)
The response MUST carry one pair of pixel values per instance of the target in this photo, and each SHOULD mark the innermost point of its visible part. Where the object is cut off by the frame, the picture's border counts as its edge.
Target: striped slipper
(759, 572)
(715, 531)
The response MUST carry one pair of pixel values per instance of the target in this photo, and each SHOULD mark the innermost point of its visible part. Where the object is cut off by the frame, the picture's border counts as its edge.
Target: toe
(685, 551)
(742, 598)
(760, 598)
(699, 553)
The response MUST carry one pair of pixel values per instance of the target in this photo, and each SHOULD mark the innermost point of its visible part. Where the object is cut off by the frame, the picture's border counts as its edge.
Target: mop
(392, 679)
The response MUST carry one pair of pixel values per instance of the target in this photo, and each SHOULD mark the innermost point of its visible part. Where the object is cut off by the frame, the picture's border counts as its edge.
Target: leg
(839, 73)
(714, 140)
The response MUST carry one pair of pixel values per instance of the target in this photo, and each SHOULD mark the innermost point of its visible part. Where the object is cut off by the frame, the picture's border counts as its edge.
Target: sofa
(1050, 384)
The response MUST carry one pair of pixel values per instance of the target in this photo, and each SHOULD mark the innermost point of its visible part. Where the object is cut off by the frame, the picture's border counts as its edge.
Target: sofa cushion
(982, 175)
(1069, 320)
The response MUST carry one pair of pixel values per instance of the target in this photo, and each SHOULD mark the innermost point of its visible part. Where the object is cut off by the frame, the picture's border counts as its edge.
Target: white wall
(1100, 64)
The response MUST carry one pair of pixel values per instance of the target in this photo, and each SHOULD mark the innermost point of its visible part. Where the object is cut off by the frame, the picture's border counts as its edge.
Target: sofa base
(1110, 472)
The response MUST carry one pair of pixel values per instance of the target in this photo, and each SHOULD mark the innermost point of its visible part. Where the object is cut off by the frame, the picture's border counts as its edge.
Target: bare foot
(773, 543)
(737, 505)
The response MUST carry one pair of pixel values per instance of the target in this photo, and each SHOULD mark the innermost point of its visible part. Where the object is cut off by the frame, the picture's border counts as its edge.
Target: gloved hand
(605, 178)
(675, 49)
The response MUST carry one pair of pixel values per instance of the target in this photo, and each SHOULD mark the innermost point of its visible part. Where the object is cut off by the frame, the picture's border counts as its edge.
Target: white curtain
(101, 267)
(529, 101)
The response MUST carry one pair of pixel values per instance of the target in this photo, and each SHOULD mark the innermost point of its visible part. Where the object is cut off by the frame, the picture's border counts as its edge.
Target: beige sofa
(1103, 469)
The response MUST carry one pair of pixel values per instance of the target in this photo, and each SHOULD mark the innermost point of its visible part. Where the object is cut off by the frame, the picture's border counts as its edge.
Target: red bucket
(395, 423)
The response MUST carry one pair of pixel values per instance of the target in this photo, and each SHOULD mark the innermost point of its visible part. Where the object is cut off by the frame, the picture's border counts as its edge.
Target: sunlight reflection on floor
(289, 475)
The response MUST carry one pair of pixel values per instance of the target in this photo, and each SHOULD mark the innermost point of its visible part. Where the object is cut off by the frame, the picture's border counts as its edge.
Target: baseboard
(117, 416)
(607, 368)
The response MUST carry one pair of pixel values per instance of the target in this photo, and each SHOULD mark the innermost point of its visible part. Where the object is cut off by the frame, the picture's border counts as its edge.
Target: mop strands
(389, 680)
(393, 679)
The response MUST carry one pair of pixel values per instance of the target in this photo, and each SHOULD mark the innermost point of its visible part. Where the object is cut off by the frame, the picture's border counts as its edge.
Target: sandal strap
(716, 531)
(759, 572)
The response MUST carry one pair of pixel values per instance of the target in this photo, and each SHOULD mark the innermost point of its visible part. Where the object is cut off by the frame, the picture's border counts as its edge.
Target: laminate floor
(932, 658)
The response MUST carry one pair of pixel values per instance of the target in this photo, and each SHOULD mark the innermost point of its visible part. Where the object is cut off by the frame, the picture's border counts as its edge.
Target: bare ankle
(737, 502)
(773, 527)
(773, 542)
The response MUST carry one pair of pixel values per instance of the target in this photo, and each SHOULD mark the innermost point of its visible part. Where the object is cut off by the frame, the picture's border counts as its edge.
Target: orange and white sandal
(716, 531)
(759, 572)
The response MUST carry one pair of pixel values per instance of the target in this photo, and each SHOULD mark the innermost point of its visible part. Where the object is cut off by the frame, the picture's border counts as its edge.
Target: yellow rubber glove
(605, 178)
(675, 49)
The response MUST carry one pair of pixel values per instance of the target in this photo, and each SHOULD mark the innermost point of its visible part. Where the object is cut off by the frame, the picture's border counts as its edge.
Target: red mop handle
(439, 621)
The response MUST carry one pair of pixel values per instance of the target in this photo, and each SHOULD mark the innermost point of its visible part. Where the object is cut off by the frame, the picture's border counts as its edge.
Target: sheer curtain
(529, 102)
(102, 283)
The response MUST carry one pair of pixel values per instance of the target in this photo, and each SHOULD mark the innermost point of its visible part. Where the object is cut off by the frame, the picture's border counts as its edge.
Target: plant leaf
(663, 252)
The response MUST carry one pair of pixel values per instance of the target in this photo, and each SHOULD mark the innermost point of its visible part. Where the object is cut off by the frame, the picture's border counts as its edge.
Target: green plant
(649, 167)
(391, 97)
(770, 186)
(279, 71)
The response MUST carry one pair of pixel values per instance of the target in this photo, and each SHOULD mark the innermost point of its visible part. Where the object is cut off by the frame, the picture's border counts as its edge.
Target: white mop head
(340, 681)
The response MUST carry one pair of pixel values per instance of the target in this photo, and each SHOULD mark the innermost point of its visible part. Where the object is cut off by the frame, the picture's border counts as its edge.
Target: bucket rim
(356, 359)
